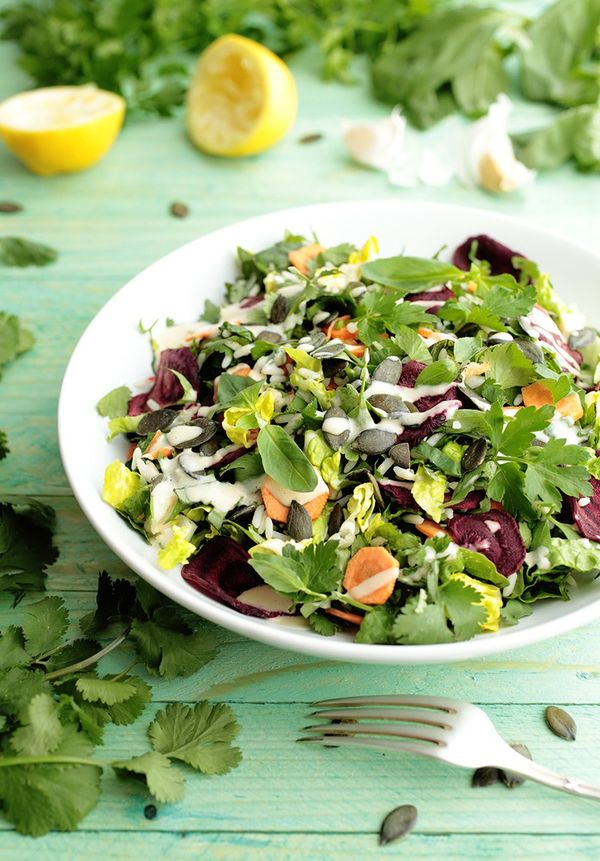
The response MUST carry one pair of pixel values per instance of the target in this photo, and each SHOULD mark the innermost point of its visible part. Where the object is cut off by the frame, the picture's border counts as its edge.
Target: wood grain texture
(285, 801)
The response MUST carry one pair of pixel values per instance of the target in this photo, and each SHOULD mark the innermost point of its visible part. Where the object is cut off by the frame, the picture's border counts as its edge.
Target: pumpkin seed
(206, 429)
(242, 514)
(388, 403)
(179, 210)
(474, 455)
(561, 723)
(210, 447)
(333, 367)
(388, 371)
(479, 402)
(400, 454)
(580, 339)
(437, 348)
(336, 518)
(509, 778)
(398, 823)
(374, 441)
(485, 776)
(9, 206)
(279, 309)
(313, 137)
(299, 524)
(329, 350)
(530, 350)
(270, 336)
(468, 330)
(159, 420)
(150, 811)
(318, 339)
(336, 440)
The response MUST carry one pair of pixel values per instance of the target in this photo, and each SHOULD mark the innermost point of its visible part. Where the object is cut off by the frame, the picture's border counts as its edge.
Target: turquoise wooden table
(284, 801)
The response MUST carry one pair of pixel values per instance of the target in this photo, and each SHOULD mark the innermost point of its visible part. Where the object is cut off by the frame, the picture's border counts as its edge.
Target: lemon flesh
(242, 98)
(61, 129)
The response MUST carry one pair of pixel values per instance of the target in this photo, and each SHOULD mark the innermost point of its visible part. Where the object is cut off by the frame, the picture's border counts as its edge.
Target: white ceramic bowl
(111, 352)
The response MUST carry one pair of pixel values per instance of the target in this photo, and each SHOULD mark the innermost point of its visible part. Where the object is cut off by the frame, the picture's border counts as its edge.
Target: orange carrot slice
(352, 618)
(536, 395)
(424, 332)
(276, 510)
(366, 564)
(300, 257)
(570, 405)
(431, 529)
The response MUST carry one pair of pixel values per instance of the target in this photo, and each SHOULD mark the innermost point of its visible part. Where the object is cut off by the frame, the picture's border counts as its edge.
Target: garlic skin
(378, 144)
(489, 158)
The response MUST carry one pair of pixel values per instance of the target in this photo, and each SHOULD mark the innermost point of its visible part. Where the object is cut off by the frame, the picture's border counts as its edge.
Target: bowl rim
(286, 637)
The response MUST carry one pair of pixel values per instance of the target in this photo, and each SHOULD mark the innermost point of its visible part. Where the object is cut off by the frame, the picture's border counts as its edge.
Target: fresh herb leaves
(410, 274)
(573, 134)
(16, 251)
(14, 339)
(284, 461)
(26, 548)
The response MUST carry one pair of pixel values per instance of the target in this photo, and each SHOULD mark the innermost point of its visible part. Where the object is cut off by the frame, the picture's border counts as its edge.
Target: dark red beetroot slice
(167, 389)
(408, 377)
(220, 570)
(504, 547)
(436, 296)
(587, 518)
(400, 495)
(229, 457)
(471, 501)
(499, 256)
(249, 301)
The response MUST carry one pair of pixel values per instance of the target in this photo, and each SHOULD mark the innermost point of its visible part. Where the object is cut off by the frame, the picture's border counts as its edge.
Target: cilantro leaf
(508, 487)
(199, 736)
(379, 312)
(322, 624)
(115, 601)
(115, 403)
(26, 548)
(12, 652)
(513, 301)
(44, 625)
(556, 467)
(17, 687)
(518, 434)
(4, 449)
(412, 344)
(42, 731)
(376, 627)
(16, 251)
(508, 366)
(37, 798)
(14, 339)
(164, 782)
(463, 605)
(107, 690)
(513, 611)
(301, 574)
(416, 624)
(170, 652)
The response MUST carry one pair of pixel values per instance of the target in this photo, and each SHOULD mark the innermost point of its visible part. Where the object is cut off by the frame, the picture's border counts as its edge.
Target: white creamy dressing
(376, 581)
(585, 500)
(182, 433)
(286, 496)
(335, 425)
(538, 322)
(538, 558)
(172, 337)
(338, 280)
(415, 419)
(407, 394)
(561, 427)
(235, 313)
(508, 590)
(492, 525)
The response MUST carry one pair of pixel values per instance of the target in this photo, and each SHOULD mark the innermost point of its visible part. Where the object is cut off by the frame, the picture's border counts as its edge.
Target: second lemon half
(242, 98)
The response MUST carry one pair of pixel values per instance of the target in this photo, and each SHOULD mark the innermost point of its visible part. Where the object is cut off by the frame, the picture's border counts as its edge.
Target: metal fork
(441, 728)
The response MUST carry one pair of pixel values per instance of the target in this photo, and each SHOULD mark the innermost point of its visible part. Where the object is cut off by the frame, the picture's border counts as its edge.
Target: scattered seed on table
(561, 723)
(397, 824)
(179, 210)
(9, 206)
(150, 811)
(313, 137)
(485, 776)
(509, 778)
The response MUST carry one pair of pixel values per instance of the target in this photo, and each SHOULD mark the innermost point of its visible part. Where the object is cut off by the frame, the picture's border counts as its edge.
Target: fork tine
(439, 703)
(381, 743)
(426, 716)
(422, 733)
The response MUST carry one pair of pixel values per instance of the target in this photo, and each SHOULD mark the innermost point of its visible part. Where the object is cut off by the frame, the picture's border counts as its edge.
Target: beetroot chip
(495, 534)
(499, 256)
(221, 571)
(433, 299)
(408, 378)
(471, 501)
(167, 389)
(587, 517)
(401, 495)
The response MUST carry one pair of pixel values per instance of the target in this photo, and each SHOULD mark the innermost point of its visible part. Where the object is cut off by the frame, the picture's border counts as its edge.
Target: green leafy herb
(16, 251)
(26, 548)
(381, 312)
(307, 575)
(508, 366)
(574, 133)
(4, 449)
(410, 274)
(114, 404)
(436, 373)
(14, 339)
(284, 461)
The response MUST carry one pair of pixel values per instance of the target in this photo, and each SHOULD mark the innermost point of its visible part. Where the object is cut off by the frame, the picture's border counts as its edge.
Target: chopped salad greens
(403, 447)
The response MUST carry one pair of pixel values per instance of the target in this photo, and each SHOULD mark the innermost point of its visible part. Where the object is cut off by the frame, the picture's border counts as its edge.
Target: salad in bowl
(401, 447)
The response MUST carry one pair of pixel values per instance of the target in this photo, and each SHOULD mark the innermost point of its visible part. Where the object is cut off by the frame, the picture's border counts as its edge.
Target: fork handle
(533, 771)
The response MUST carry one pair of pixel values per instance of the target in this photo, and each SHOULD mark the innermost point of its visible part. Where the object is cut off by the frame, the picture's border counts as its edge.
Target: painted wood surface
(285, 801)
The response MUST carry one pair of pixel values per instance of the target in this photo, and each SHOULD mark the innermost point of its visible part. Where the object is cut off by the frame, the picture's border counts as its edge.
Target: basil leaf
(15, 251)
(572, 134)
(410, 274)
(230, 385)
(284, 461)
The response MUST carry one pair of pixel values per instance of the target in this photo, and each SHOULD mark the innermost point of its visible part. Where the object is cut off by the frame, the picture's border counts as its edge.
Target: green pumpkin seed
(582, 338)
(530, 350)
(269, 336)
(400, 454)
(397, 824)
(509, 778)
(329, 350)
(474, 455)
(312, 137)
(333, 367)
(159, 420)
(388, 403)
(388, 371)
(561, 723)
(279, 309)
(179, 210)
(299, 524)
(9, 206)
(336, 440)
(485, 776)
(336, 518)
(374, 441)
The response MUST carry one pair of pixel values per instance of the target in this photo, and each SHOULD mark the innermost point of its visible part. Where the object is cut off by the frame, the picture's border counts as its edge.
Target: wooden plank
(282, 786)
(333, 846)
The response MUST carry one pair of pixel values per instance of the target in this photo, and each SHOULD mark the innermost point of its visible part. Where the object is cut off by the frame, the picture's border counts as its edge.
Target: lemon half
(61, 129)
(242, 98)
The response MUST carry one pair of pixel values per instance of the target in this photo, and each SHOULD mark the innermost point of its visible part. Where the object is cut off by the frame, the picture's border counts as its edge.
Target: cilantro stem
(93, 659)
(49, 759)
(125, 670)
